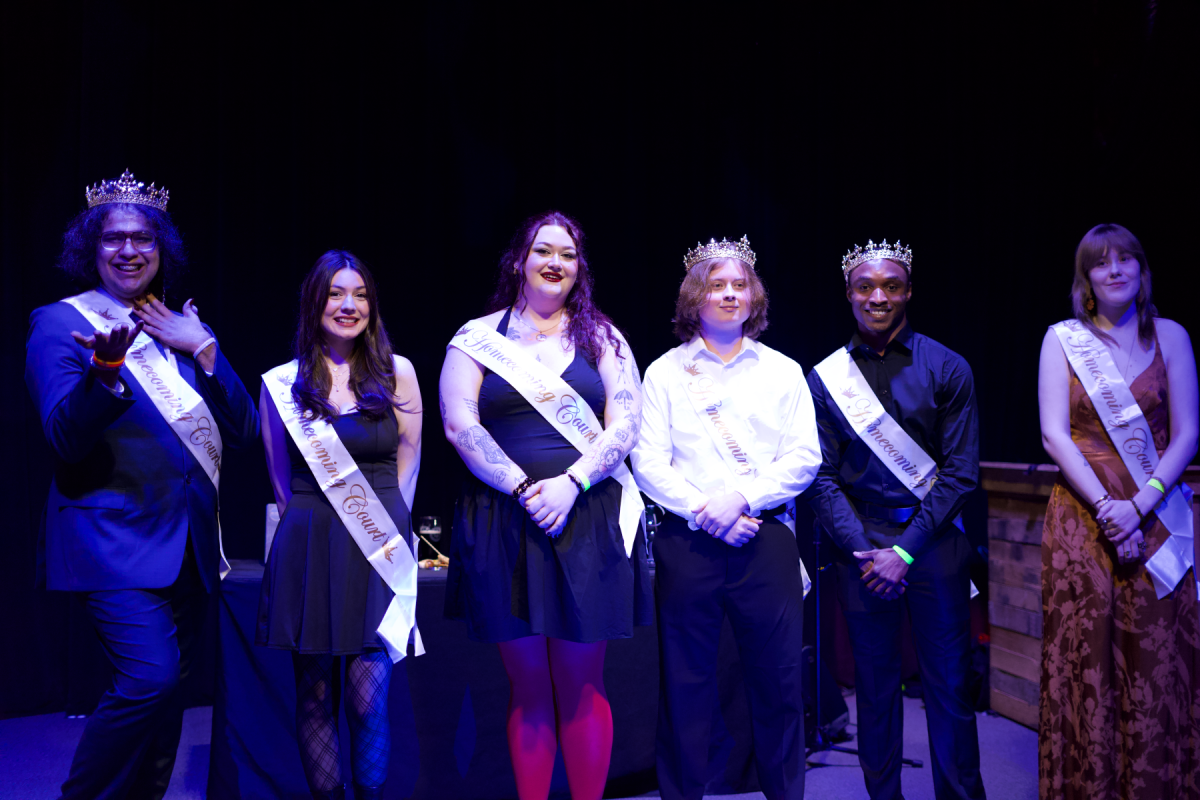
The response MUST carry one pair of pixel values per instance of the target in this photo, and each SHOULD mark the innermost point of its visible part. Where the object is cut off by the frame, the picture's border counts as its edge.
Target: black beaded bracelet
(521, 487)
(574, 479)
(1135, 508)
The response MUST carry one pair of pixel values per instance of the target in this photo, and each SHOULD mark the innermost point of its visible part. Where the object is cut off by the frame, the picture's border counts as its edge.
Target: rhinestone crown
(126, 190)
(893, 252)
(722, 249)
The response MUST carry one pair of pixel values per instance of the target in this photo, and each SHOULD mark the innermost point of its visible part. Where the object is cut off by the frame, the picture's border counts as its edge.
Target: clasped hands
(1119, 522)
(883, 571)
(549, 502)
(726, 518)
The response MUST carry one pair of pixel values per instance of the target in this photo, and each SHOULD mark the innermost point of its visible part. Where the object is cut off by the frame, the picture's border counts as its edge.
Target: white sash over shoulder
(359, 509)
(556, 401)
(180, 405)
(1131, 436)
(890, 443)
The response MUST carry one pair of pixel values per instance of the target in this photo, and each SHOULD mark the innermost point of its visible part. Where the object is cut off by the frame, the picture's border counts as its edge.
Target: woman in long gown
(321, 598)
(1120, 696)
(538, 564)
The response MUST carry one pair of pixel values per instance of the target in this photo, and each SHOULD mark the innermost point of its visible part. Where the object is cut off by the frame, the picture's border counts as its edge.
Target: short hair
(78, 257)
(694, 293)
(1094, 244)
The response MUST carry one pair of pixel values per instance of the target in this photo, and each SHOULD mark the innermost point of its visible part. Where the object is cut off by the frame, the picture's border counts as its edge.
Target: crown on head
(126, 190)
(893, 252)
(722, 249)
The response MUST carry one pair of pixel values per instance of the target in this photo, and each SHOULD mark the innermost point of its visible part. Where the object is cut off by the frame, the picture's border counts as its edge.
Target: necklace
(541, 334)
(338, 382)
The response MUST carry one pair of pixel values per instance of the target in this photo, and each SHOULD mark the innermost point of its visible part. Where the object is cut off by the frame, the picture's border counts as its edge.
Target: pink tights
(557, 696)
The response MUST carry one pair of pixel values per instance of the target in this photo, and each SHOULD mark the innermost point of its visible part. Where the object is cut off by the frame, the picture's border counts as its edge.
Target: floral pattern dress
(1120, 693)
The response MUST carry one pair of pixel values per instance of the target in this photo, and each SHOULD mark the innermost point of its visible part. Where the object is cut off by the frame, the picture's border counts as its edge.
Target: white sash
(890, 443)
(180, 405)
(359, 509)
(1130, 433)
(718, 417)
(556, 402)
(903, 457)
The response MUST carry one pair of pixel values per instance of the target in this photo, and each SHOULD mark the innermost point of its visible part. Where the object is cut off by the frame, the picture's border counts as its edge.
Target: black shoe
(368, 792)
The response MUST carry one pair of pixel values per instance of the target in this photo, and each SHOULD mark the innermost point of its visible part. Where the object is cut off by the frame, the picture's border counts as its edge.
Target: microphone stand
(820, 743)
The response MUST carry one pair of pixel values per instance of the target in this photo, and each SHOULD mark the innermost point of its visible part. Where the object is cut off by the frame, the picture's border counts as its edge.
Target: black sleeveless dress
(319, 594)
(508, 579)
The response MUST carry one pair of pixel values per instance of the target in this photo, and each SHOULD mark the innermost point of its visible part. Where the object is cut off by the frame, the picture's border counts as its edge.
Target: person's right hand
(866, 567)
(110, 346)
(742, 531)
(1118, 520)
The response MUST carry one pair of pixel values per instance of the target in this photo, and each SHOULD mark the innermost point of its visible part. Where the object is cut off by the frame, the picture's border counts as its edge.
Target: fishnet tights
(318, 687)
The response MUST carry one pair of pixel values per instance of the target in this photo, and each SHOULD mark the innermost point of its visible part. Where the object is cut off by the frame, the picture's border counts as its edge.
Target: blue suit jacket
(126, 491)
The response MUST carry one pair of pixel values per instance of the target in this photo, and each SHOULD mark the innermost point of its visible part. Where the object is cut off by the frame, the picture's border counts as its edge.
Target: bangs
(1101, 239)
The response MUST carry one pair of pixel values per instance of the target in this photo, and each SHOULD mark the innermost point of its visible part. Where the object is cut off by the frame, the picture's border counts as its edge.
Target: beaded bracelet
(574, 479)
(521, 487)
(580, 479)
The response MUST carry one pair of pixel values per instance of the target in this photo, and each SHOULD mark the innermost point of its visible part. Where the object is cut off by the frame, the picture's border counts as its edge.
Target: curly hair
(588, 328)
(694, 293)
(1094, 244)
(372, 371)
(78, 257)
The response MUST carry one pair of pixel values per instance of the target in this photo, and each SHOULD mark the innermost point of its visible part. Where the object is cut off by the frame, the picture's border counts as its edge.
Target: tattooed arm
(458, 396)
(551, 500)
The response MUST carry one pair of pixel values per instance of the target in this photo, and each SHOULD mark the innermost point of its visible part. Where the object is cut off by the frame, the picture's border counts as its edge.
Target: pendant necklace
(541, 335)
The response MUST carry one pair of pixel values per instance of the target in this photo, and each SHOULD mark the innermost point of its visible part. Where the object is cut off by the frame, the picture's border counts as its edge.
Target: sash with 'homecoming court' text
(1126, 426)
(180, 405)
(359, 509)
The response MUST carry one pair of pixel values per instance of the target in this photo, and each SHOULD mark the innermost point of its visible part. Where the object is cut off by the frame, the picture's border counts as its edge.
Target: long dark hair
(585, 322)
(1094, 244)
(78, 257)
(372, 371)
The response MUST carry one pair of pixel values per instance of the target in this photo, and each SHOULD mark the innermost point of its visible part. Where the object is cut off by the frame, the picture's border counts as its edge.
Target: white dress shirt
(676, 461)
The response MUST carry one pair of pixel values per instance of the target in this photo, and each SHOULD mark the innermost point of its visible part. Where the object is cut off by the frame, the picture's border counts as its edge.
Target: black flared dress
(319, 594)
(508, 579)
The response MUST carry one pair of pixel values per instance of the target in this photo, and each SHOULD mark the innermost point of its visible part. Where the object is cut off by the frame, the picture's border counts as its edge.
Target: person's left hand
(1133, 549)
(550, 501)
(887, 570)
(1118, 520)
(719, 514)
(184, 333)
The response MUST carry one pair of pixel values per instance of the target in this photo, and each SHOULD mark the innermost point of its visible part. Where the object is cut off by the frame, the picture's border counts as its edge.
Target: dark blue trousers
(698, 581)
(937, 604)
(129, 743)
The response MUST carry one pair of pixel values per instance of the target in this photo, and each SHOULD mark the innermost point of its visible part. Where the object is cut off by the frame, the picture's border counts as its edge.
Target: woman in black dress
(546, 577)
(321, 598)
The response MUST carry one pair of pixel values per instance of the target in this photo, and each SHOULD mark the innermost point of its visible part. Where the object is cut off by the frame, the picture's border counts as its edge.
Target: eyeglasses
(143, 241)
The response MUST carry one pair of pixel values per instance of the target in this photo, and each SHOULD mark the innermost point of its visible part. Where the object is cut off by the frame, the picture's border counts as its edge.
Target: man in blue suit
(131, 520)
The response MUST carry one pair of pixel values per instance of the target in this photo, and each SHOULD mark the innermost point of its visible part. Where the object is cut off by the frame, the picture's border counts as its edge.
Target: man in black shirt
(900, 439)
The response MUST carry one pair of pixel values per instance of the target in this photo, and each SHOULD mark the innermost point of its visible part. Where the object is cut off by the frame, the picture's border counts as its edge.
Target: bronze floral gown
(1120, 699)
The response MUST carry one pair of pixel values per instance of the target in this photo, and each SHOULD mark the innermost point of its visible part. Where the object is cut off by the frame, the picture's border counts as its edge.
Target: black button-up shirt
(928, 390)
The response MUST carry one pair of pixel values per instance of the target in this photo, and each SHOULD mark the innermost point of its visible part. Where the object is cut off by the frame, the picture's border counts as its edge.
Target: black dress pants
(129, 743)
(698, 580)
(937, 604)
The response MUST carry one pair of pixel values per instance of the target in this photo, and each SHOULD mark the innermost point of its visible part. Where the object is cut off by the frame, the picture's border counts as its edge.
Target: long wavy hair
(1094, 244)
(372, 371)
(588, 328)
(82, 237)
(694, 293)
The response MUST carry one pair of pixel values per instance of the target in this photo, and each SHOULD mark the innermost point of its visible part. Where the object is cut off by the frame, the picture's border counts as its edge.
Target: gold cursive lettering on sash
(704, 387)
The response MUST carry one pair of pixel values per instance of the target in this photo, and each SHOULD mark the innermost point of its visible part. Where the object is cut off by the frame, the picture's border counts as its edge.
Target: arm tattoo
(499, 477)
(442, 403)
(472, 406)
(513, 334)
(621, 434)
(624, 398)
(491, 450)
(464, 441)
(609, 458)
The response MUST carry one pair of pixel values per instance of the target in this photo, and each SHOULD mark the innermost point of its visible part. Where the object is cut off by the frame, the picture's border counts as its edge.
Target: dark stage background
(418, 135)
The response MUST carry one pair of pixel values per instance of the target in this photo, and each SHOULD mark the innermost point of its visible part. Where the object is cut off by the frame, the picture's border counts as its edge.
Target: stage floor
(35, 754)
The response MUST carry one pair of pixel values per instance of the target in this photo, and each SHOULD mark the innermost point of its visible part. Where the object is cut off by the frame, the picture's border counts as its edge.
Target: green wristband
(1157, 484)
(901, 552)
(583, 481)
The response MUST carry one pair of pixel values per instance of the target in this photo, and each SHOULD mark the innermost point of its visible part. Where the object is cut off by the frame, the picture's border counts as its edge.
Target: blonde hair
(693, 294)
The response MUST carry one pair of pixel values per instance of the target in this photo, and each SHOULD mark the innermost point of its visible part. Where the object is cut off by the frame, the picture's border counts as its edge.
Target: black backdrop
(418, 135)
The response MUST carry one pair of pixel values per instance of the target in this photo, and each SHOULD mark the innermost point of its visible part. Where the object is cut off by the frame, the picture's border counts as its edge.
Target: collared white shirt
(677, 462)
